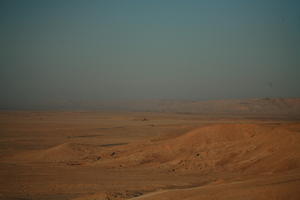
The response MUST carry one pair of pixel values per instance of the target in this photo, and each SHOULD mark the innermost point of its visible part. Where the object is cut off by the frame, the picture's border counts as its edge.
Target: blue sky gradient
(100, 50)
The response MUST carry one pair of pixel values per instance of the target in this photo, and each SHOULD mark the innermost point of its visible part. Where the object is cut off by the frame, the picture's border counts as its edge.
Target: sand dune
(187, 157)
(244, 147)
(66, 152)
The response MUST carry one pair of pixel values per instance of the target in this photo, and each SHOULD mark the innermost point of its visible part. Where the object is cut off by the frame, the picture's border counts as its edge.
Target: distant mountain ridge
(263, 107)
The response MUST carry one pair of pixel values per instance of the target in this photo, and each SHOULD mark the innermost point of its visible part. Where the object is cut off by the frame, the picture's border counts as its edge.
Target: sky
(59, 50)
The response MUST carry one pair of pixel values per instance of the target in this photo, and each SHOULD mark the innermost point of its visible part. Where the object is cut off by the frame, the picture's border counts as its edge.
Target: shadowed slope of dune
(66, 152)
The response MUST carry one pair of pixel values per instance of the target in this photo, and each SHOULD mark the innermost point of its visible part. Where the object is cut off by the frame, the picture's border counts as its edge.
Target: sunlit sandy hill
(235, 149)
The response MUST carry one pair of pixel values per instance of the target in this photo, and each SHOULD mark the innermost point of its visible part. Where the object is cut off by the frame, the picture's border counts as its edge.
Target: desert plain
(109, 155)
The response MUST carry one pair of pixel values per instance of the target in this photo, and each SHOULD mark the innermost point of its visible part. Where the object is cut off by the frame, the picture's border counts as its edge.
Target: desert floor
(106, 155)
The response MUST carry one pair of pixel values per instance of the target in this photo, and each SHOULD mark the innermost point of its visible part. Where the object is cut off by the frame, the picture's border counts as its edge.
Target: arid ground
(149, 100)
(147, 155)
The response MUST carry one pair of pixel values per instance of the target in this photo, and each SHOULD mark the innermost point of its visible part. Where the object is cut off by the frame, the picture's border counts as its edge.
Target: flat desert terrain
(49, 155)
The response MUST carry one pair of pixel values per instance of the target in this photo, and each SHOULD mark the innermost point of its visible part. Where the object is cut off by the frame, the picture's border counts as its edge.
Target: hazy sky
(54, 51)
